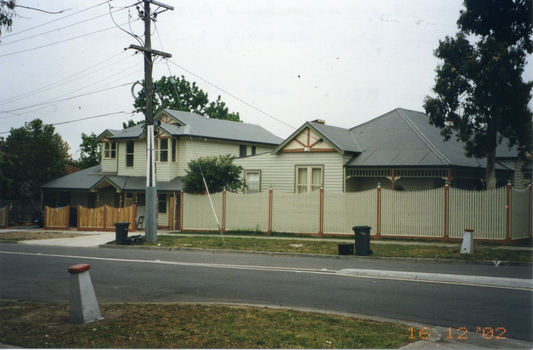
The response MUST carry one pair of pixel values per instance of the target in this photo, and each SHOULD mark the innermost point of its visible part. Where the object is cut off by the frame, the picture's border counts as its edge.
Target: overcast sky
(277, 63)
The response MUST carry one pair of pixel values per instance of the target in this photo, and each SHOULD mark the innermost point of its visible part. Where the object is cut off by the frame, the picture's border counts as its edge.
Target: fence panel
(247, 212)
(56, 218)
(120, 215)
(520, 216)
(482, 211)
(297, 213)
(412, 214)
(198, 214)
(342, 211)
(90, 218)
(4, 217)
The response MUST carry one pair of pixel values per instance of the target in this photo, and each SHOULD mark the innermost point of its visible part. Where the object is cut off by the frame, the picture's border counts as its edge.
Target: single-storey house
(399, 150)
(120, 179)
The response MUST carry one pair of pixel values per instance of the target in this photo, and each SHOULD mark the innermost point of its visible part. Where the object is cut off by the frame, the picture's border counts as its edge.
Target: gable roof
(194, 125)
(339, 138)
(403, 137)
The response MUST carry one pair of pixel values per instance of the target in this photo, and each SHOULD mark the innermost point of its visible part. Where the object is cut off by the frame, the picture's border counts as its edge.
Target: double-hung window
(309, 178)
(129, 153)
(110, 150)
(161, 150)
(253, 181)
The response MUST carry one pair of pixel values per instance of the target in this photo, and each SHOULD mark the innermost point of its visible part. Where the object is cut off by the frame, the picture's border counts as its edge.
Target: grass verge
(331, 248)
(35, 325)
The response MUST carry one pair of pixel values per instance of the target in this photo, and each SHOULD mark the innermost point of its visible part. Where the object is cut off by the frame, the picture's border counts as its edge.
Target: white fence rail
(504, 214)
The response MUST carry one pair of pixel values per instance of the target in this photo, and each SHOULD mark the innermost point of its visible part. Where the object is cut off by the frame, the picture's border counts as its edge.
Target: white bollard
(468, 242)
(83, 304)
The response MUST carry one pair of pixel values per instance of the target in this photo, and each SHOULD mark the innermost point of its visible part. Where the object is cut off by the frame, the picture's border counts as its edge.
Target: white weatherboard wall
(279, 171)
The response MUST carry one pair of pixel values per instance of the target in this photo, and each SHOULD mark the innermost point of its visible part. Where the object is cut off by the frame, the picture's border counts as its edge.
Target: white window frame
(110, 150)
(246, 173)
(308, 186)
(128, 154)
(159, 150)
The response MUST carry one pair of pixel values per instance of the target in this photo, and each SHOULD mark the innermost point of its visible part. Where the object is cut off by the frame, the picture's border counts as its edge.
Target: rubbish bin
(121, 232)
(345, 249)
(362, 240)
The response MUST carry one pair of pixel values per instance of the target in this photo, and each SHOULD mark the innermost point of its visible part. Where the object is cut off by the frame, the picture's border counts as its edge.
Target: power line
(55, 20)
(82, 119)
(71, 78)
(61, 100)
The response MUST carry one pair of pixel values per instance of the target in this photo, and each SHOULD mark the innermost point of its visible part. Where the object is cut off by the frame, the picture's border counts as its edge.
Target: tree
(479, 86)
(219, 172)
(179, 94)
(91, 152)
(7, 12)
(32, 156)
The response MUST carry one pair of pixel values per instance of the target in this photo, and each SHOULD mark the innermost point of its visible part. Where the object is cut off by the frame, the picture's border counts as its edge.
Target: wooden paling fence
(104, 218)
(56, 218)
(4, 217)
(500, 215)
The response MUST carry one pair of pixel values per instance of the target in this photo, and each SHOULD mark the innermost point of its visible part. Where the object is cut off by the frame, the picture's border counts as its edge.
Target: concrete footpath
(437, 337)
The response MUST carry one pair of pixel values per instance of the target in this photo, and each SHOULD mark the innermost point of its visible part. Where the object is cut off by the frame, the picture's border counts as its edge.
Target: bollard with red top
(468, 242)
(83, 304)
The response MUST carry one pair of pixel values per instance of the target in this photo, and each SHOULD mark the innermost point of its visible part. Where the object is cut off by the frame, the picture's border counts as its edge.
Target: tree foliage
(219, 171)
(179, 94)
(31, 156)
(91, 152)
(479, 86)
(7, 12)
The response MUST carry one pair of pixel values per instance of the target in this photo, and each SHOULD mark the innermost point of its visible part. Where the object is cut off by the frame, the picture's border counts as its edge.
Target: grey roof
(405, 138)
(340, 138)
(86, 180)
(194, 125)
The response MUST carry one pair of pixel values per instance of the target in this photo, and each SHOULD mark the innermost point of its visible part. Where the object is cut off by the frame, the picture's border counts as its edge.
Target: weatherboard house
(399, 150)
(120, 179)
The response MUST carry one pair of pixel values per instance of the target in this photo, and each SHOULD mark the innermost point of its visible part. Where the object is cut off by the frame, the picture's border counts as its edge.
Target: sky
(277, 63)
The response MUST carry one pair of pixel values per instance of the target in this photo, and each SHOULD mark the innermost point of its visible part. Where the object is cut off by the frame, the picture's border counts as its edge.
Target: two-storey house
(120, 179)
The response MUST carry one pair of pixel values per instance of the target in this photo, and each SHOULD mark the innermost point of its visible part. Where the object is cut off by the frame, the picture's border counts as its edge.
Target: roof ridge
(422, 137)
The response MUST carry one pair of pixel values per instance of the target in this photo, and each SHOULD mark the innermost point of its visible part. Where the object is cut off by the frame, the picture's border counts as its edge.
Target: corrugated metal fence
(503, 214)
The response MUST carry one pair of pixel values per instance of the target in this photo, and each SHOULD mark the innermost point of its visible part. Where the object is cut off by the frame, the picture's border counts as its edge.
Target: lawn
(34, 325)
(254, 243)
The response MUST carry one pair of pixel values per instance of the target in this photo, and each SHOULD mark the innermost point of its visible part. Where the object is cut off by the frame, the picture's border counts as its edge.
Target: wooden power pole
(151, 176)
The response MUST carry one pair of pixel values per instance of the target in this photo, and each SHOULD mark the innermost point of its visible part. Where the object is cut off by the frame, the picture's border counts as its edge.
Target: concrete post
(468, 242)
(83, 304)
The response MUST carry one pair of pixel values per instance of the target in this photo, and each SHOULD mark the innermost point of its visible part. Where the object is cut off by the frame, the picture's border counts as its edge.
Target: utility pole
(151, 176)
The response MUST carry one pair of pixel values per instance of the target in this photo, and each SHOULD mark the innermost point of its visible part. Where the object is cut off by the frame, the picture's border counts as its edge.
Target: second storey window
(129, 153)
(161, 150)
(110, 150)
(308, 178)
(174, 150)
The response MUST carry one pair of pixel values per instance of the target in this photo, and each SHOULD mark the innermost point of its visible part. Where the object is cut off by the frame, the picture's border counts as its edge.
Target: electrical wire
(55, 20)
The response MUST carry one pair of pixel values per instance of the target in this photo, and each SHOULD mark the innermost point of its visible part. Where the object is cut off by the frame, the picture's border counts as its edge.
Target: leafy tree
(91, 152)
(7, 12)
(479, 86)
(32, 156)
(131, 123)
(179, 94)
(219, 171)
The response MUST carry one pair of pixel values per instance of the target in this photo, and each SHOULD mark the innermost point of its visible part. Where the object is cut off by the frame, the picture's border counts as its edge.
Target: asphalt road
(39, 273)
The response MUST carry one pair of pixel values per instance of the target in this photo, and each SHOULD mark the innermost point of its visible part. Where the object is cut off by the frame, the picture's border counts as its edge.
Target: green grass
(331, 248)
(192, 326)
